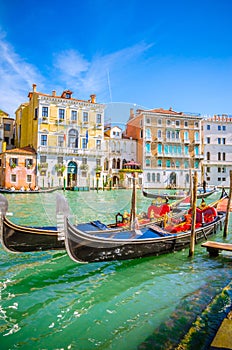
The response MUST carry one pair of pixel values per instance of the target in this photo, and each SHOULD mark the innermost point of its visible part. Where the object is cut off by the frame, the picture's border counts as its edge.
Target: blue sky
(150, 53)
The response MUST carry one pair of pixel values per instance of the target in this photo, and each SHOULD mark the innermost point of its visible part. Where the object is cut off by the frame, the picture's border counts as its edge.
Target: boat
(23, 191)
(178, 195)
(20, 239)
(85, 244)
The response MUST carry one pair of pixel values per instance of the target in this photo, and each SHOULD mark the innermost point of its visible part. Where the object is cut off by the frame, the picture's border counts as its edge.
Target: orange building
(17, 168)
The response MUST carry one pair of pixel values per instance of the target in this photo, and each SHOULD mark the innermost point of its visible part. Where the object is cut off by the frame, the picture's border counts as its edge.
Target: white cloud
(17, 76)
(92, 76)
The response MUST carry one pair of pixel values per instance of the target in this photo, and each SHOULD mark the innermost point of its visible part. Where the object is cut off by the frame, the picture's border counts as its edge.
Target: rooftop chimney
(34, 87)
(53, 93)
(93, 98)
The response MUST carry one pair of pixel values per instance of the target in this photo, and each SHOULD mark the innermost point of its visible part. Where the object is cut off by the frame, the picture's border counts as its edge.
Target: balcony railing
(70, 151)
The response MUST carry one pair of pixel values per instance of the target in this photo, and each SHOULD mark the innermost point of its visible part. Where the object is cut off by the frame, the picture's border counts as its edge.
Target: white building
(217, 150)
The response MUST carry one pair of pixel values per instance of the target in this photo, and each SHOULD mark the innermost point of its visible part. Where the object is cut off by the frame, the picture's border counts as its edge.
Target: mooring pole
(228, 208)
(194, 205)
(190, 187)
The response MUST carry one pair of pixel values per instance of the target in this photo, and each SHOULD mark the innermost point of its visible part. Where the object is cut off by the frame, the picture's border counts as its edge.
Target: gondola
(86, 245)
(179, 195)
(19, 239)
(13, 191)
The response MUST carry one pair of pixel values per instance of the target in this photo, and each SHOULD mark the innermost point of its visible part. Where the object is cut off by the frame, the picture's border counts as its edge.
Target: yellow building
(67, 134)
(169, 145)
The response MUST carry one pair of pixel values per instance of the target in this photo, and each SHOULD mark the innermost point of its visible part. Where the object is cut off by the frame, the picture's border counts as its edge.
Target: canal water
(165, 302)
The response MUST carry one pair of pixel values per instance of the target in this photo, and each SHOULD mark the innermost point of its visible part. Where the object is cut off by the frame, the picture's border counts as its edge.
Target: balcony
(70, 151)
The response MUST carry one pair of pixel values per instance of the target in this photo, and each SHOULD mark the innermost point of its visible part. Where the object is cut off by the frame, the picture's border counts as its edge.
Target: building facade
(119, 150)
(217, 141)
(67, 134)
(18, 169)
(169, 145)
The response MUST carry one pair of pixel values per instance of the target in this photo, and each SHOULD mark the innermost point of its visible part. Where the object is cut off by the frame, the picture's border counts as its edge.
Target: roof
(164, 111)
(25, 150)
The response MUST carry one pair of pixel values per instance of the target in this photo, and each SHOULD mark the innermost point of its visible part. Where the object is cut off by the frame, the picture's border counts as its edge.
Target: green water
(49, 302)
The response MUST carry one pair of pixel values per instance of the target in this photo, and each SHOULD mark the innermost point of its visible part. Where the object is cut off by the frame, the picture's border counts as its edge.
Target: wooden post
(133, 203)
(228, 208)
(194, 205)
(191, 187)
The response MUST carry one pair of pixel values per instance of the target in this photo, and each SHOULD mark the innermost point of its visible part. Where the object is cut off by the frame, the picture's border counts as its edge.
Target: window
(186, 136)
(185, 124)
(13, 178)
(223, 169)
(98, 144)
(85, 117)
(13, 162)
(61, 113)
(223, 156)
(159, 121)
(159, 134)
(219, 156)
(223, 127)
(219, 179)
(98, 162)
(168, 163)
(219, 170)
(73, 115)
(158, 177)
(196, 150)
(45, 112)
(219, 127)
(196, 125)
(196, 136)
(141, 133)
(60, 160)
(60, 141)
(196, 164)
(186, 164)
(223, 140)
(159, 163)
(148, 147)
(148, 162)
(99, 119)
(177, 163)
(219, 140)
(168, 122)
(207, 127)
(28, 163)
(148, 177)
(84, 143)
(159, 148)
(168, 134)
(177, 123)
(28, 178)
(36, 113)
(73, 138)
(44, 140)
(43, 159)
(6, 127)
(148, 120)
(207, 139)
(148, 133)
(153, 177)
(208, 155)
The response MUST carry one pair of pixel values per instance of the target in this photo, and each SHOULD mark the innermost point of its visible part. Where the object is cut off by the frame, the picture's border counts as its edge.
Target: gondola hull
(176, 196)
(84, 247)
(21, 239)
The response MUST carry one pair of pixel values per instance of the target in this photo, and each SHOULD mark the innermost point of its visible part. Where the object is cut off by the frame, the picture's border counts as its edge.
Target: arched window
(106, 164)
(118, 163)
(148, 177)
(158, 177)
(114, 163)
(153, 177)
(73, 138)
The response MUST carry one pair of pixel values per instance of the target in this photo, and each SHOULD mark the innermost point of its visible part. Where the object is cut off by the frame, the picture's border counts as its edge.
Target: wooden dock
(214, 247)
(223, 338)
